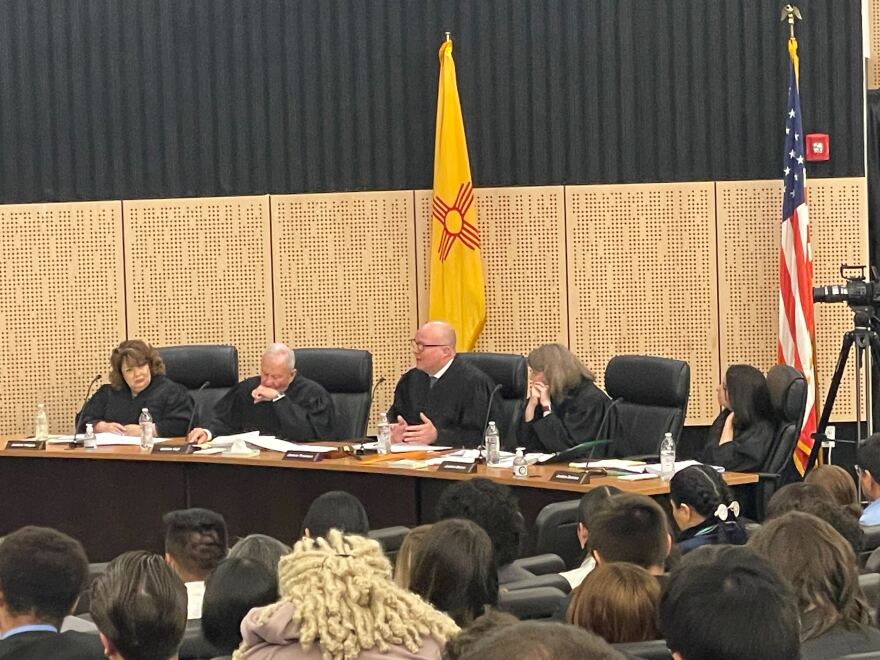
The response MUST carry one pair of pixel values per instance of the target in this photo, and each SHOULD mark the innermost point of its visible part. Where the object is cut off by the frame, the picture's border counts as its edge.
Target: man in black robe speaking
(442, 400)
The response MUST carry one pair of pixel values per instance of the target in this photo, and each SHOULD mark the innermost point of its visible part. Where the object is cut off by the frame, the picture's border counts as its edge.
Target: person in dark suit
(278, 402)
(137, 381)
(442, 400)
(564, 407)
(42, 573)
(740, 437)
(139, 606)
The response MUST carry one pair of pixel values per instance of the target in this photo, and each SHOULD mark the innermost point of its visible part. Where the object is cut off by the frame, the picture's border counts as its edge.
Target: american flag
(796, 328)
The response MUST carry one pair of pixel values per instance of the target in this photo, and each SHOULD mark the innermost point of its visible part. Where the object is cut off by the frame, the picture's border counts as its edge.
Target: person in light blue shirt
(868, 467)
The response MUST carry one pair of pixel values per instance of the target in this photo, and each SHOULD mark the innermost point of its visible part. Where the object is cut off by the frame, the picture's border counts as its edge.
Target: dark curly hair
(493, 507)
(138, 353)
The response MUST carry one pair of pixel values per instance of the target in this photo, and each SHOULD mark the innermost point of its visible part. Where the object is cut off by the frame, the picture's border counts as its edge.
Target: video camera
(857, 292)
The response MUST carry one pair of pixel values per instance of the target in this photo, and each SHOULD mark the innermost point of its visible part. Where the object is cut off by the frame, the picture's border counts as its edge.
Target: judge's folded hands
(423, 434)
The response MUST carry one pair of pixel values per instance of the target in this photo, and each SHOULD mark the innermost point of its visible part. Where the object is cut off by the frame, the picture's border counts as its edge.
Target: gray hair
(261, 548)
(282, 349)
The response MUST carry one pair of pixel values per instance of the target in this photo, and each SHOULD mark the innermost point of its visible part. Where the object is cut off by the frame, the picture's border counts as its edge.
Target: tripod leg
(848, 339)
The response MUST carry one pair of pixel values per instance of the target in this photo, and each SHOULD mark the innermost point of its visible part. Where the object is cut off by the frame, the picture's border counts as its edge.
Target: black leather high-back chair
(649, 399)
(347, 374)
(512, 373)
(193, 365)
(556, 532)
(788, 395)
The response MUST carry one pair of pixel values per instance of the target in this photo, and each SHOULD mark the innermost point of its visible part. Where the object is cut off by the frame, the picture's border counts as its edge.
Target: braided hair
(704, 491)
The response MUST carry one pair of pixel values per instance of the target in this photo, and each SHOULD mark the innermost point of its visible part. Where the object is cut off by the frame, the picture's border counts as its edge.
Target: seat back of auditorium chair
(870, 585)
(534, 603)
(391, 538)
(556, 532)
(650, 397)
(195, 364)
(512, 373)
(653, 650)
(347, 374)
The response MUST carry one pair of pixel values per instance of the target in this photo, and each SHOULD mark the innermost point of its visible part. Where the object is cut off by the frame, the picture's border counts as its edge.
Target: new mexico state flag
(457, 294)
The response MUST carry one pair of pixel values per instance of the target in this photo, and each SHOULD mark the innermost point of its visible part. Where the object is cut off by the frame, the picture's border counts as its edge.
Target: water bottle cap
(520, 450)
(90, 428)
(382, 418)
(143, 410)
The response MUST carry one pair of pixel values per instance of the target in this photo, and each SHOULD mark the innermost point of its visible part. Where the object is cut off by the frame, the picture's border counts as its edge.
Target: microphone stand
(192, 417)
(369, 408)
(76, 418)
(481, 459)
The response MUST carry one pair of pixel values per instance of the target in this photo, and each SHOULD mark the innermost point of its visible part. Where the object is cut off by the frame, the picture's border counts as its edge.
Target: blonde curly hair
(344, 599)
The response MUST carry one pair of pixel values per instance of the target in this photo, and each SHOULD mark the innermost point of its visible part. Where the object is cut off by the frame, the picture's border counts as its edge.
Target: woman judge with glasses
(137, 381)
(564, 407)
(740, 437)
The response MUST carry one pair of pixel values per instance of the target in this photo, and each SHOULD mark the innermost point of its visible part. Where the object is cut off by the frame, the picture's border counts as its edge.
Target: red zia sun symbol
(454, 224)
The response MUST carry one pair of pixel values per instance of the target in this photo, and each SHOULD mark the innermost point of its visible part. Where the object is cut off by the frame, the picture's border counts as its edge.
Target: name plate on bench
(188, 448)
(301, 455)
(569, 477)
(456, 466)
(26, 444)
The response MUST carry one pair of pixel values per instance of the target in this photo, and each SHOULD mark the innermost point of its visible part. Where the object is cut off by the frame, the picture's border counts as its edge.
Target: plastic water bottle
(383, 434)
(667, 457)
(90, 441)
(493, 445)
(146, 423)
(41, 423)
(520, 466)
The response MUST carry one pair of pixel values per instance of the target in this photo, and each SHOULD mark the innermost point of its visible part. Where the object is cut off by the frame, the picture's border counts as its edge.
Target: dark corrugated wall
(109, 99)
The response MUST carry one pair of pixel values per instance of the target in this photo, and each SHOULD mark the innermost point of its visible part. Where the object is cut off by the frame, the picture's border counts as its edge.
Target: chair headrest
(194, 364)
(648, 380)
(338, 370)
(506, 369)
(788, 392)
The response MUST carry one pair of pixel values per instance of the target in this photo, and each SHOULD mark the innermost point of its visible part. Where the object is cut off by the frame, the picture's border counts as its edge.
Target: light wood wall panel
(345, 276)
(199, 271)
(872, 64)
(522, 234)
(749, 217)
(61, 307)
(641, 278)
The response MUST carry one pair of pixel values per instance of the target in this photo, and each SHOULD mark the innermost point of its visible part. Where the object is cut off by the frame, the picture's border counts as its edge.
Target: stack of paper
(103, 439)
(635, 467)
(654, 468)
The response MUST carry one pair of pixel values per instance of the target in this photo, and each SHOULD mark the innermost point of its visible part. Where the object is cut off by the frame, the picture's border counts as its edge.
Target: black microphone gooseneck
(195, 407)
(77, 418)
(480, 458)
(603, 426)
(370, 406)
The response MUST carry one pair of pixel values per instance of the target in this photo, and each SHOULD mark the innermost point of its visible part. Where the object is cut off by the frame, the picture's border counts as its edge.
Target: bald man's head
(434, 346)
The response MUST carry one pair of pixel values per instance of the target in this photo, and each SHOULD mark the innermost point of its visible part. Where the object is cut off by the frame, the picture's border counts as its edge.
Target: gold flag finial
(791, 13)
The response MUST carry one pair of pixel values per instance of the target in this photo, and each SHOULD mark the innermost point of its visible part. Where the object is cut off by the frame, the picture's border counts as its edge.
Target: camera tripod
(867, 346)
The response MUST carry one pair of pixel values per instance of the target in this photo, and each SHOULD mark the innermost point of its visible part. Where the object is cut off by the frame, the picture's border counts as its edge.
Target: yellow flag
(457, 294)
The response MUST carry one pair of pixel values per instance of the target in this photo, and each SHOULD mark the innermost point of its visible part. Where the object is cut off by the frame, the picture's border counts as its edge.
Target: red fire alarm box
(816, 145)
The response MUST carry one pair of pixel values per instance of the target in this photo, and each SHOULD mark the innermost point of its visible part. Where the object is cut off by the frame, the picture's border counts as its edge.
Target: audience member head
(631, 528)
(412, 545)
(698, 493)
(558, 367)
(839, 483)
(231, 590)
(277, 367)
(433, 346)
(337, 578)
(483, 625)
(533, 640)
(591, 503)
(726, 603)
(821, 567)
(134, 363)
(335, 510)
(812, 498)
(42, 572)
(868, 459)
(195, 542)
(619, 602)
(139, 606)
(493, 507)
(745, 393)
(455, 570)
(261, 548)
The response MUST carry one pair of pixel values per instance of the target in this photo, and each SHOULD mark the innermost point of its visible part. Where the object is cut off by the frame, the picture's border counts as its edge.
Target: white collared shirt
(195, 595)
(442, 370)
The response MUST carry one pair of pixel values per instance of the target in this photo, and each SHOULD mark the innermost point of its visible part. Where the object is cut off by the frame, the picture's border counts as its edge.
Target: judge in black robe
(572, 418)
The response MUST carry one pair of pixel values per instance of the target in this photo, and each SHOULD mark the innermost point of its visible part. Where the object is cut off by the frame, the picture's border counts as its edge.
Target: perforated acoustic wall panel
(872, 64)
(345, 276)
(61, 307)
(748, 277)
(198, 271)
(641, 278)
(522, 235)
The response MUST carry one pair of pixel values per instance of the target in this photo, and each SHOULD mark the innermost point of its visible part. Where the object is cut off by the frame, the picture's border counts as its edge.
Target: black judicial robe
(456, 404)
(305, 413)
(574, 419)
(746, 452)
(170, 405)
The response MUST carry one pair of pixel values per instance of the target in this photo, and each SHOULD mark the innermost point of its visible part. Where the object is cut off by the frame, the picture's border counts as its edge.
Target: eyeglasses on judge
(420, 346)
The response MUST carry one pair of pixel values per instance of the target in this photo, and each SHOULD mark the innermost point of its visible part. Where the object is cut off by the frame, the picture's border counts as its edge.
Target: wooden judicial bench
(113, 498)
